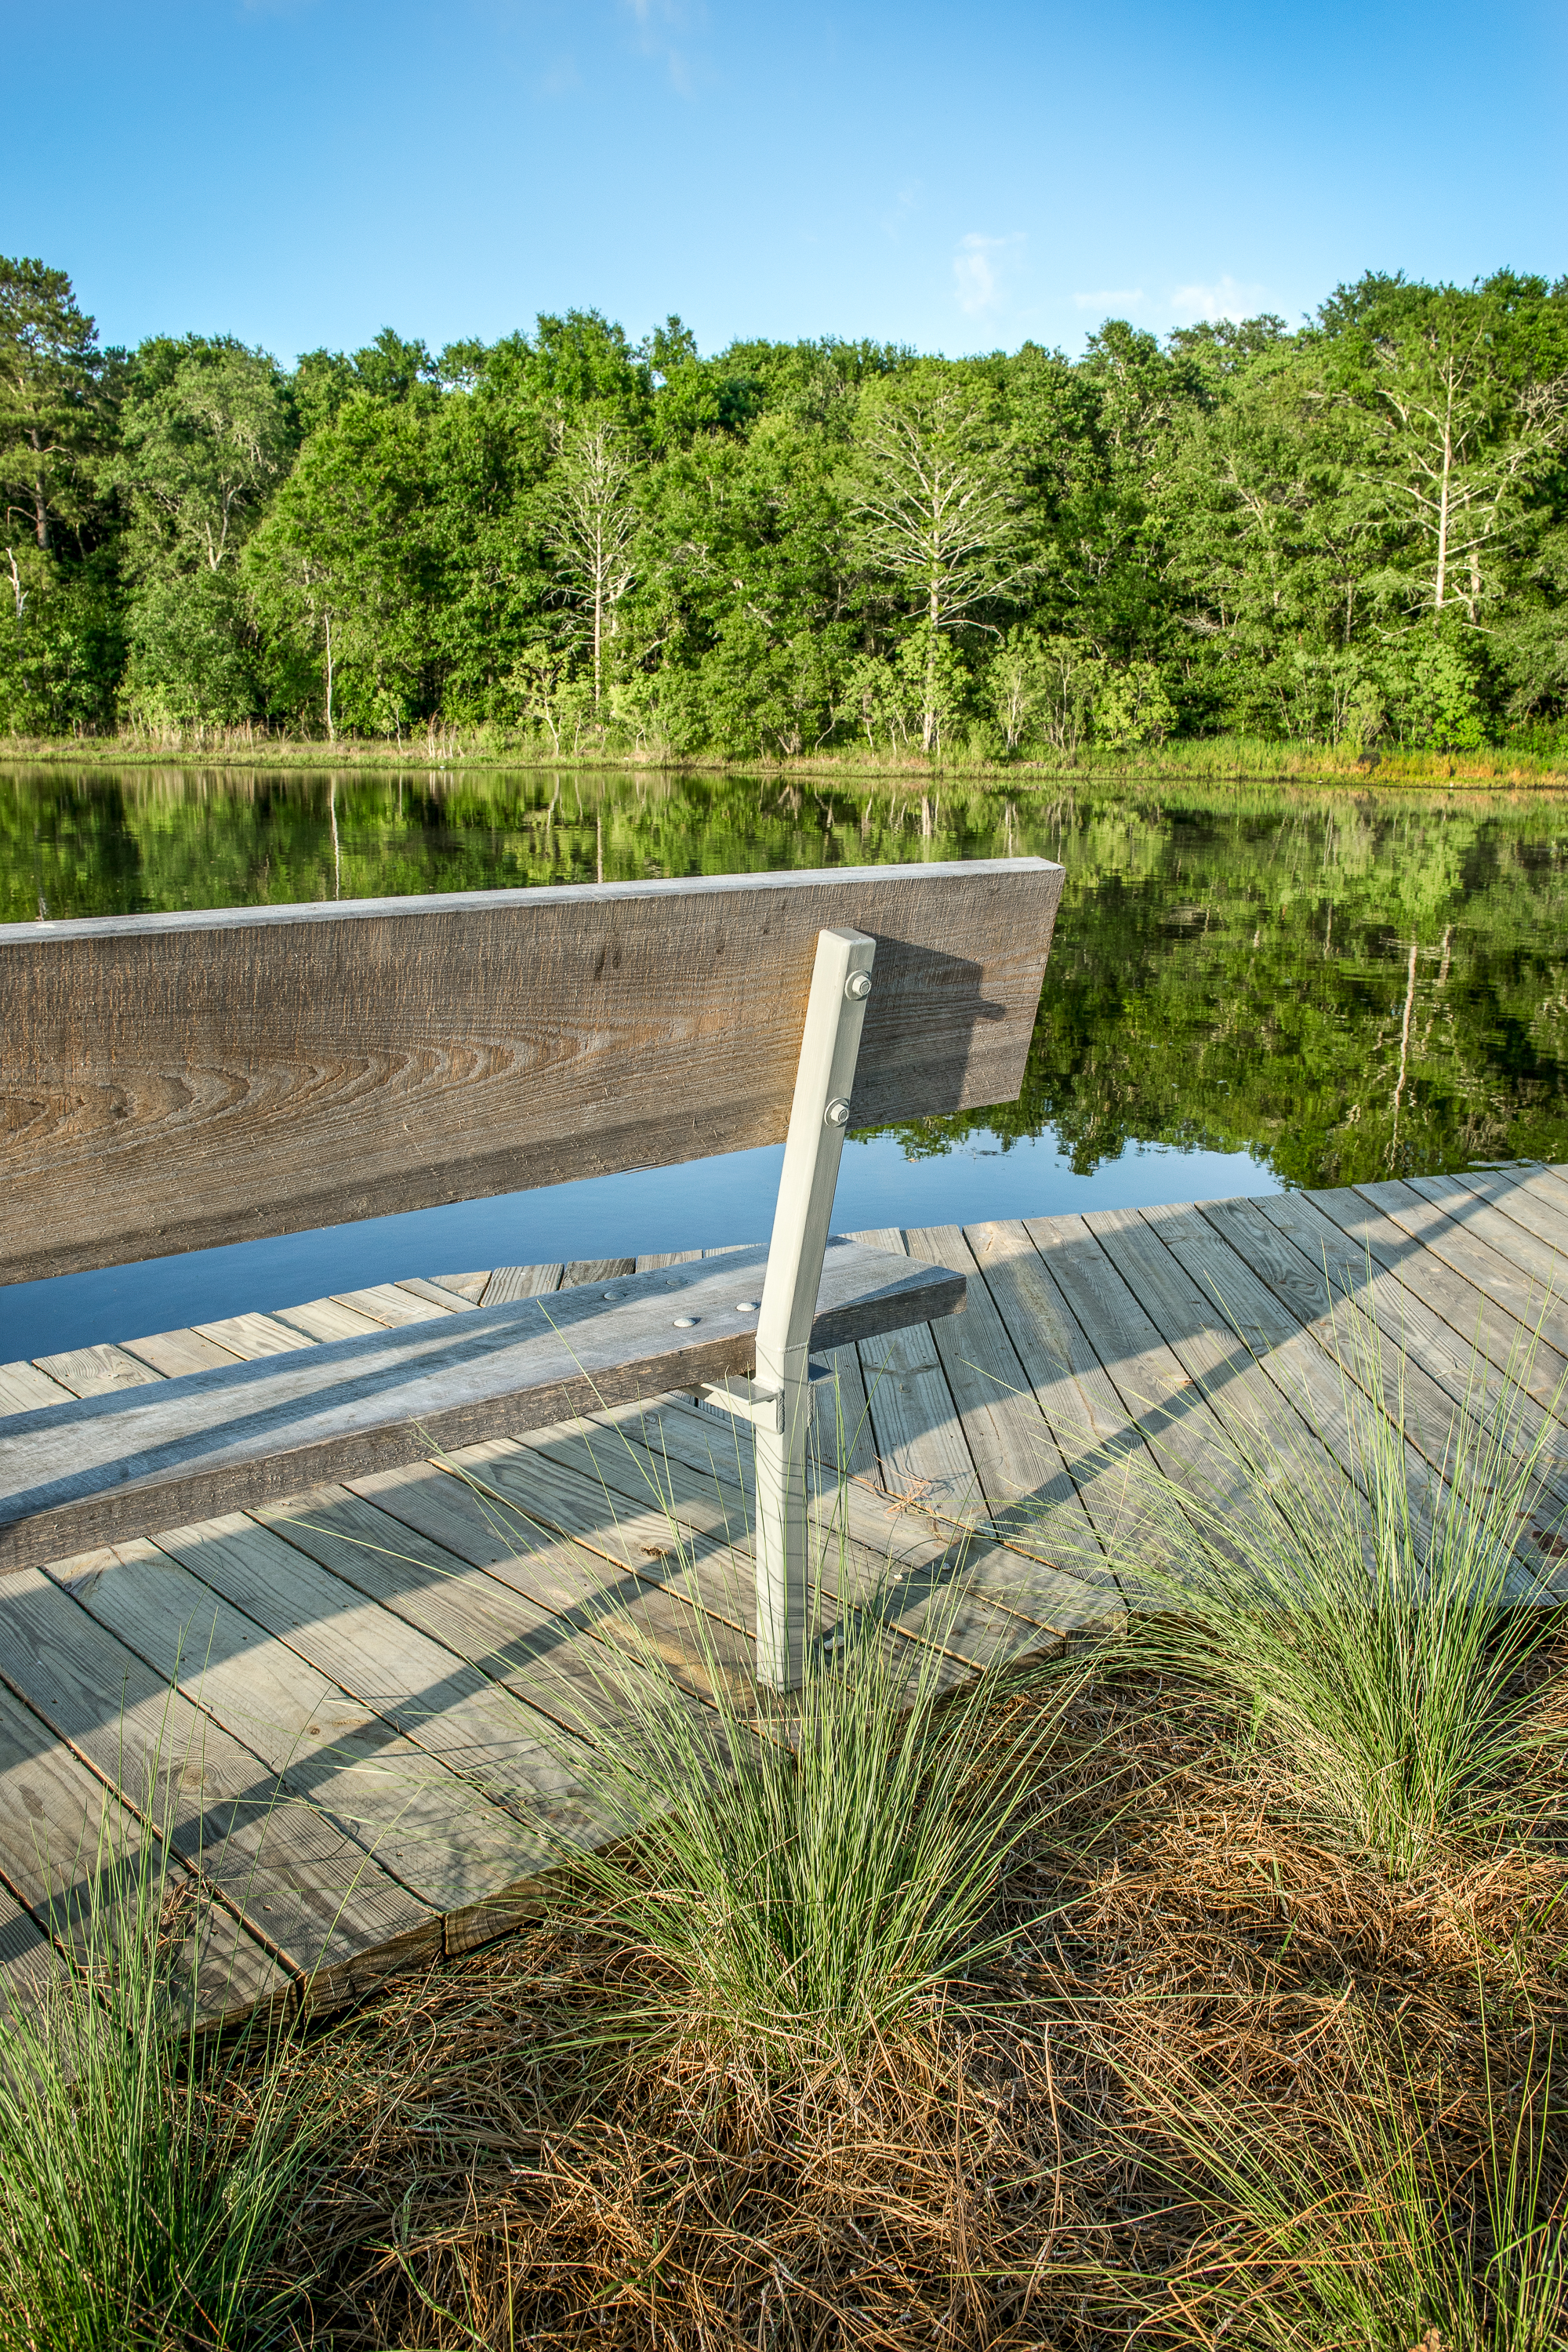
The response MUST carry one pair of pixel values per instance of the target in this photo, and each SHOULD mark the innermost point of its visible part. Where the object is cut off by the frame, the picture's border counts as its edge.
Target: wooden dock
(346, 1722)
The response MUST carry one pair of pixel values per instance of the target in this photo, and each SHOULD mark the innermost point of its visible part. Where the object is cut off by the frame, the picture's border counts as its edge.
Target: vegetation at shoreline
(1344, 541)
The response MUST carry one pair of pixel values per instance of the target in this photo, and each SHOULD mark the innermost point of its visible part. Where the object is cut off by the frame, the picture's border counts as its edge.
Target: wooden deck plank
(435, 1293)
(865, 1549)
(1158, 1394)
(505, 1634)
(581, 1595)
(920, 1440)
(272, 1856)
(1292, 1360)
(675, 1429)
(1487, 1330)
(173, 1353)
(1531, 1232)
(520, 1808)
(393, 1304)
(1093, 1431)
(511, 1282)
(596, 1269)
(327, 1319)
(29, 1964)
(1015, 1455)
(632, 1534)
(1414, 1333)
(471, 1287)
(1542, 1179)
(94, 1371)
(23, 1388)
(415, 1684)
(252, 1335)
(1390, 1345)
(69, 1847)
(1495, 1273)
(1199, 1331)
(429, 1847)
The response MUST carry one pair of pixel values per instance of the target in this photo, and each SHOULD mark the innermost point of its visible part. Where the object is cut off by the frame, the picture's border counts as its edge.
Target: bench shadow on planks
(173, 1083)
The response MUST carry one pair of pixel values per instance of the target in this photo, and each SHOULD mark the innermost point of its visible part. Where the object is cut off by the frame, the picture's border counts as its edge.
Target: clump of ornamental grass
(1372, 1610)
(806, 1869)
(146, 2180)
(1369, 2212)
(510, 2171)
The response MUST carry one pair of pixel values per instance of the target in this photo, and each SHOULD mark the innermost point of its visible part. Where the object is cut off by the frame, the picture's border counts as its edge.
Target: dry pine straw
(983, 2182)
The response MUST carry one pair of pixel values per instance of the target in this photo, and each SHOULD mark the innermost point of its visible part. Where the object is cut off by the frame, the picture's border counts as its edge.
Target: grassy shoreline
(1212, 760)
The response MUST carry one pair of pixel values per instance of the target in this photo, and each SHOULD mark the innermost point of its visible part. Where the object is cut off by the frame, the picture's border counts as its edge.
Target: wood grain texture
(306, 1889)
(348, 1766)
(1531, 1233)
(1387, 1342)
(1488, 1330)
(98, 1470)
(69, 1848)
(23, 1388)
(97, 1370)
(175, 1353)
(522, 1805)
(173, 1082)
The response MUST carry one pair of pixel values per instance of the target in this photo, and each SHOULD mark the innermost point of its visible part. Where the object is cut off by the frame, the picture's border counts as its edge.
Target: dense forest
(1354, 531)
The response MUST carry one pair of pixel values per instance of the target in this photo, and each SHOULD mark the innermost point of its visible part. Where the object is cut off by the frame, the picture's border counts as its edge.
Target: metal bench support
(778, 1401)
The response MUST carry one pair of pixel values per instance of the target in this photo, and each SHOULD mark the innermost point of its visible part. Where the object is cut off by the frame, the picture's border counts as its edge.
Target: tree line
(1352, 530)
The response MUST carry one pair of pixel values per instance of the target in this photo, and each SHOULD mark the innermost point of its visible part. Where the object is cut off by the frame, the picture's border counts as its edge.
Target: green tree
(1462, 427)
(206, 434)
(50, 417)
(343, 573)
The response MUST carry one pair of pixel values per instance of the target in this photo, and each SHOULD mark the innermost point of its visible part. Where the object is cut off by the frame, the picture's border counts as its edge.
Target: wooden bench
(173, 1082)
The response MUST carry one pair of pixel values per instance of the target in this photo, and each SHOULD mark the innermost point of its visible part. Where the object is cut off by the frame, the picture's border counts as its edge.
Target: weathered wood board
(97, 1470)
(172, 1082)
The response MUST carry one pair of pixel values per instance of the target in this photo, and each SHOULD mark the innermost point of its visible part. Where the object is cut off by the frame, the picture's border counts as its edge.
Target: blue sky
(304, 172)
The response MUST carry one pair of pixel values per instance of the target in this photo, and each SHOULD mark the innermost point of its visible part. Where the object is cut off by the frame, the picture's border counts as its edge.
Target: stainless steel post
(840, 983)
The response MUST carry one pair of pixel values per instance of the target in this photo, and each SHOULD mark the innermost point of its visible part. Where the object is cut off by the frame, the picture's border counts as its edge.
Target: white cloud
(979, 266)
(659, 23)
(1223, 299)
(1110, 299)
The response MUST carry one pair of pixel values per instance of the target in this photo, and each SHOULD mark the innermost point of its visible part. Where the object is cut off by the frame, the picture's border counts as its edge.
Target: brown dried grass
(510, 2171)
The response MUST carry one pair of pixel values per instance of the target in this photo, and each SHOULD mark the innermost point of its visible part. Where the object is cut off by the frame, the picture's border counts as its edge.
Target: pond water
(1250, 988)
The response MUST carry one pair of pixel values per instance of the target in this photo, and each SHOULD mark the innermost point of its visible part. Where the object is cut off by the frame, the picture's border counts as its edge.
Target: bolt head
(858, 986)
(687, 1322)
(838, 1113)
(747, 1305)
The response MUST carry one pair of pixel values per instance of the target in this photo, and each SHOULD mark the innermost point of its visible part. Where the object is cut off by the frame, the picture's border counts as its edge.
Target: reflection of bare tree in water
(337, 849)
(1403, 1049)
(1405, 1026)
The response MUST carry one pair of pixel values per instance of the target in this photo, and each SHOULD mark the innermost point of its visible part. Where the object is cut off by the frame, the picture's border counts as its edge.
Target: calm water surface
(1249, 989)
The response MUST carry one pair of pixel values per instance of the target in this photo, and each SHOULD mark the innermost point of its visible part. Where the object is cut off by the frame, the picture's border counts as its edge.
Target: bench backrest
(172, 1082)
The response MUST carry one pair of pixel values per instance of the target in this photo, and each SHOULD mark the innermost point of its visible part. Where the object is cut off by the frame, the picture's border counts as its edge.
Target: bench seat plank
(98, 1470)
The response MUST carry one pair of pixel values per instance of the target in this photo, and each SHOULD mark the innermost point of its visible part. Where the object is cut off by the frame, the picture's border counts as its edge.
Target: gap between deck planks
(343, 1727)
